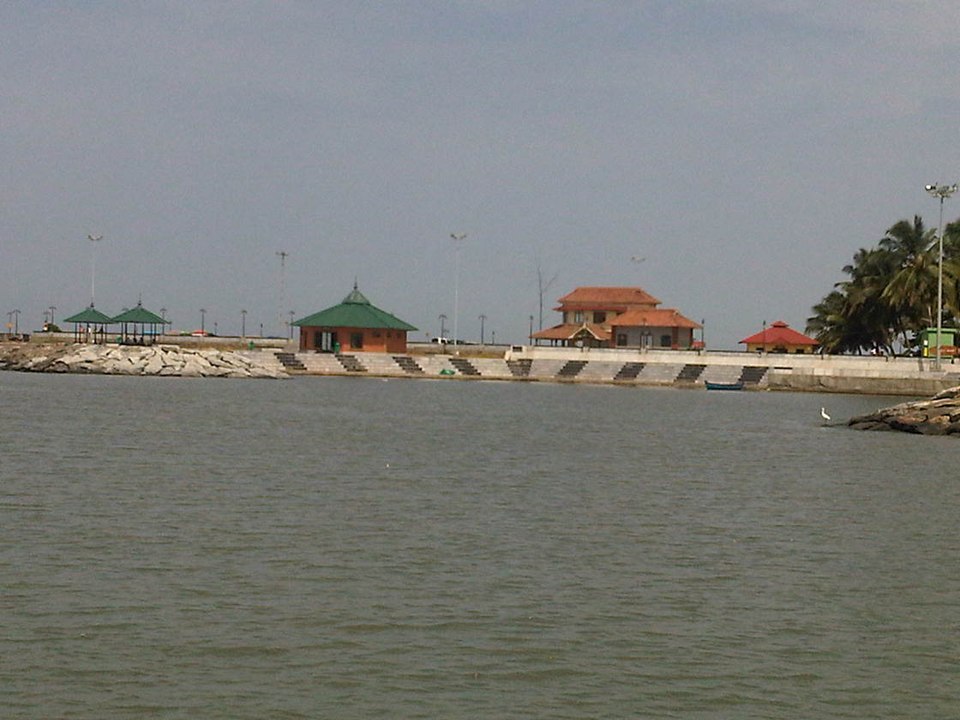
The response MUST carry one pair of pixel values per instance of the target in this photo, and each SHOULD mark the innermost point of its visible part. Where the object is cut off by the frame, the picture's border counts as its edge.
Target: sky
(744, 150)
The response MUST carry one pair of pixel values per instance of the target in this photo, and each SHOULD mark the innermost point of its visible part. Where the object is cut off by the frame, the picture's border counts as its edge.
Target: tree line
(890, 294)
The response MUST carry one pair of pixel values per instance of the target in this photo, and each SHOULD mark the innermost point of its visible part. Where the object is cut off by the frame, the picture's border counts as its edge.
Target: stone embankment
(164, 360)
(938, 416)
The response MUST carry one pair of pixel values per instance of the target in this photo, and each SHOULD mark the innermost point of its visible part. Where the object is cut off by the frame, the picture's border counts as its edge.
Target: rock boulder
(939, 415)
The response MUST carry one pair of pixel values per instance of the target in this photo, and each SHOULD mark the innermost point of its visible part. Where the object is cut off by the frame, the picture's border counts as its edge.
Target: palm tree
(911, 288)
(890, 294)
(854, 317)
(951, 271)
(829, 323)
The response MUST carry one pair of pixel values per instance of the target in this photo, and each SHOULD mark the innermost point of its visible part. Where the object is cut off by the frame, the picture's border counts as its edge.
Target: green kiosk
(948, 342)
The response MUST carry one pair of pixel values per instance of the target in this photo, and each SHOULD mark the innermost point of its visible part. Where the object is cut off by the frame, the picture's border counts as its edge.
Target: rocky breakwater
(164, 360)
(938, 416)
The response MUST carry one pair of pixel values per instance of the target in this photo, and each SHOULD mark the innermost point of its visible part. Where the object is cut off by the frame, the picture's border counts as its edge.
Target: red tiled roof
(569, 331)
(609, 297)
(779, 334)
(657, 317)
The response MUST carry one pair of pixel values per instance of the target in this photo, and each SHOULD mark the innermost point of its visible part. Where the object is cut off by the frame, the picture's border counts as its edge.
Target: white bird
(94, 238)
(823, 414)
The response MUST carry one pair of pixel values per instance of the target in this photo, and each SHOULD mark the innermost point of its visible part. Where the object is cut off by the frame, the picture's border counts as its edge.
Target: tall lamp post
(483, 319)
(243, 324)
(942, 192)
(283, 255)
(458, 239)
(442, 318)
(94, 239)
(203, 320)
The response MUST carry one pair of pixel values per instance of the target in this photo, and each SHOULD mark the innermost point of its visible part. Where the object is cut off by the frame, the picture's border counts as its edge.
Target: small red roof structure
(780, 338)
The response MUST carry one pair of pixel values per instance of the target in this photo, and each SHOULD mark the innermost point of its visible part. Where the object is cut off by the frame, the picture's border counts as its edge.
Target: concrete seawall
(811, 373)
(914, 377)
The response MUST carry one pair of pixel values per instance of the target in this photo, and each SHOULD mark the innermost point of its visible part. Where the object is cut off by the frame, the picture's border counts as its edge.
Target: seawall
(689, 369)
(913, 377)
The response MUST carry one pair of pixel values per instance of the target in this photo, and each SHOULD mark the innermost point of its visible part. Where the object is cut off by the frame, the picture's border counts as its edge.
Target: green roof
(90, 315)
(139, 314)
(354, 312)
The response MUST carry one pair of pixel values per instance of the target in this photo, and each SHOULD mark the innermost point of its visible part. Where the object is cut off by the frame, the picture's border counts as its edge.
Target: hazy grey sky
(745, 149)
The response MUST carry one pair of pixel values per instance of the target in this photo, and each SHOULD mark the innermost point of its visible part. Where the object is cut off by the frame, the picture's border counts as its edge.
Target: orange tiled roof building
(780, 338)
(619, 317)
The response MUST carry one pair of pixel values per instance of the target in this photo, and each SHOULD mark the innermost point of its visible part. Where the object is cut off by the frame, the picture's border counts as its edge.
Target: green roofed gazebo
(354, 324)
(134, 323)
(90, 325)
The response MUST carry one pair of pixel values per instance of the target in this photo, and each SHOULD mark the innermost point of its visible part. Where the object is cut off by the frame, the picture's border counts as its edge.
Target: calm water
(353, 548)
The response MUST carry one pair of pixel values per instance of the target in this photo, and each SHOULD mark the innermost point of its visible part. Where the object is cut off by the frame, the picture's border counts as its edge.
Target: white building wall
(651, 337)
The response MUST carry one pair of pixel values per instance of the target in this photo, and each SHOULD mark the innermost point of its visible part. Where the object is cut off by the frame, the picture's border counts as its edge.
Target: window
(599, 317)
(356, 340)
(621, 339)
(664, 341)
(578, 316)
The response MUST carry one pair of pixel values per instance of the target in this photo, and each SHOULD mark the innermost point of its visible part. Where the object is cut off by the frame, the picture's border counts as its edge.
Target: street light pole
(243, 324)
(443, 338)
(458, 239)
(203, 319)
(482, 319)
(94, 239)
(942, 192)
(283, 255)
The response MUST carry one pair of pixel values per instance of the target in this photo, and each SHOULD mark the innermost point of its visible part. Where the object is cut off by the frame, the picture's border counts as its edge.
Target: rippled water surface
(357, 548)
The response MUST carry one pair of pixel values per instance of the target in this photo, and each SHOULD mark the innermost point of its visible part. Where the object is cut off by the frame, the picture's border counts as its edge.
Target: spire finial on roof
(356, 297)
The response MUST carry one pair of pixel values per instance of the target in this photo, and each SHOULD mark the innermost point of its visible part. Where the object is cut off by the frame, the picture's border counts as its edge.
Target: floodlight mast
(94, 239)
(458, 239)
(283, 255)
(942, 192)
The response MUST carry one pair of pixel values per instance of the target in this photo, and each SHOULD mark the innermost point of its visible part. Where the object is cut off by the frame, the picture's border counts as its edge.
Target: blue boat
(723, 386)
